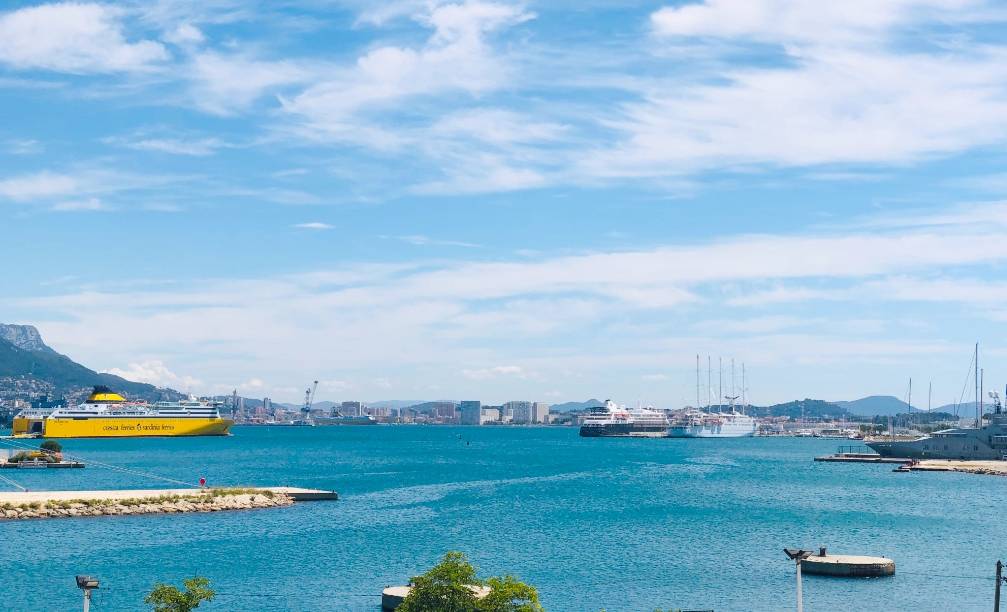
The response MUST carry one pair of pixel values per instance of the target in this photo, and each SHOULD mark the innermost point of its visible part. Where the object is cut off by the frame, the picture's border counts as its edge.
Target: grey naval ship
(986, 442)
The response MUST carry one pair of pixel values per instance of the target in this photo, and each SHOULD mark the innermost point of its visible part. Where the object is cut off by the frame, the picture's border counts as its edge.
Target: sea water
(593, 523)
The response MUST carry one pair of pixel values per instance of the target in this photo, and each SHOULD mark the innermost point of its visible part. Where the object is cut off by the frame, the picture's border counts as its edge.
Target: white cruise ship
(613, 420)
(696, 424)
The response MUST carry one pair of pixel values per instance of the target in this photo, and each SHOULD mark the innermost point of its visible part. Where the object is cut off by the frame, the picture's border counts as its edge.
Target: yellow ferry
(109, 415)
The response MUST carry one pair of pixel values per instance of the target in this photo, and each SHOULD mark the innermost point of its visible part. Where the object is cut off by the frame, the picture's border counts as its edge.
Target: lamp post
(798, 555)
(87, 584)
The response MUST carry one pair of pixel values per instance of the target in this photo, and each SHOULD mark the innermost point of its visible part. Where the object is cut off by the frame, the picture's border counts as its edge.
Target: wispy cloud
(314, 225)
(74, 37)
(421, 240)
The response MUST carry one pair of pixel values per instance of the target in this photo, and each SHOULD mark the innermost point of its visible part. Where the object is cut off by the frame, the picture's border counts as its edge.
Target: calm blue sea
(618, 524)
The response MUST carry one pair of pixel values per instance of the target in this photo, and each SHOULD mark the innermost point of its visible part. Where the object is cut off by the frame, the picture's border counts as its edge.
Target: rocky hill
(24, 356)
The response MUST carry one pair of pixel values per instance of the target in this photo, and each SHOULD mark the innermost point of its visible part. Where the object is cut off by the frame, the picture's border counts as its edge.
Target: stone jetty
(989, 468)
(60, 504)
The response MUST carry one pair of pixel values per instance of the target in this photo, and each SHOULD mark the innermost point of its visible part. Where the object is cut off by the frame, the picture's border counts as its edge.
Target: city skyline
(494, 199)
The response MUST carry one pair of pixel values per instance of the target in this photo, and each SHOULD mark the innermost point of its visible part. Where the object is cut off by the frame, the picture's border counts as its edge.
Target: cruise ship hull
(121, 427)
(345, 421)
(622, 430)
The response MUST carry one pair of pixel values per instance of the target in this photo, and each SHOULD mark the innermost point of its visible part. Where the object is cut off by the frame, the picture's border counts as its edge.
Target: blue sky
(503, 200)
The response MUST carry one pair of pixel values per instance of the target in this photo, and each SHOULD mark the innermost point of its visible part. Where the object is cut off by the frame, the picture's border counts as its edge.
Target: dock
(858, 454)
(27, 497)
(40, 465)
(860, 458)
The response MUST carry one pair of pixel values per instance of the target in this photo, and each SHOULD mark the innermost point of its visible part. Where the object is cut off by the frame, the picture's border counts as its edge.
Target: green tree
(451, 586)
(51, 446)
(507, 594)
(168, 598)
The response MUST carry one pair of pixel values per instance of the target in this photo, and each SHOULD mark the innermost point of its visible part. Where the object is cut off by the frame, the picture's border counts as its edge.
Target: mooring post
(996, 592)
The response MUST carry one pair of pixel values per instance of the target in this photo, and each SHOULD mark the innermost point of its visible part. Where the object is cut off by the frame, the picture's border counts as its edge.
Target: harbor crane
(309, 399)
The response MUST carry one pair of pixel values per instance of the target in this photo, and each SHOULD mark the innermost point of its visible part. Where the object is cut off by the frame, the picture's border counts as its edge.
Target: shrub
(168, 598)
(449, 587)
(51, 446)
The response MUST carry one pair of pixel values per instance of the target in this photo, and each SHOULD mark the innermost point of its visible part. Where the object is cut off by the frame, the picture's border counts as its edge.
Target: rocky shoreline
(215, 500)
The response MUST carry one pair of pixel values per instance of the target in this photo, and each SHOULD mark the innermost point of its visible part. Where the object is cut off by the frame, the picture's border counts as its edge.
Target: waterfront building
(471, 412)
(351, 409)
(489, 414)
(540, 412)
(519, 412)
(445, 412)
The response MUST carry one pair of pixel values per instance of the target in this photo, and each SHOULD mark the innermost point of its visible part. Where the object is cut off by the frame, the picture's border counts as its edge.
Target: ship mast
(977, 385)
(744, 397)
(720, 378)
(697, 382)
(709, 382)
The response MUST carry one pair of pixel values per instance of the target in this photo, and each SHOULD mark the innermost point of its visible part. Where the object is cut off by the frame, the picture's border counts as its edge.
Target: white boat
(719, 424)
(697, 424)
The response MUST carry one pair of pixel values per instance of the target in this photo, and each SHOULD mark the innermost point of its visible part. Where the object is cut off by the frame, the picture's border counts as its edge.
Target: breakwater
(63, 504)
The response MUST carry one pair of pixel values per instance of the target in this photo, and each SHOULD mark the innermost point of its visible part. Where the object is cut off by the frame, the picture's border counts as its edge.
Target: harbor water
(619, 524)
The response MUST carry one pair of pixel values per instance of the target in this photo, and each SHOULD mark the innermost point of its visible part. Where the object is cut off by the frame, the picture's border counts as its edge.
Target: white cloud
(198, 147)
(314, 225)
(495, 372)
(421, 240)
(843, 89)
(73, 37)
(23, 146)
(226, 84)
(523, 312)
(797, 21)
(88, 205)
(156, 373)
(39, 185)
(185, 35)
(455, 59)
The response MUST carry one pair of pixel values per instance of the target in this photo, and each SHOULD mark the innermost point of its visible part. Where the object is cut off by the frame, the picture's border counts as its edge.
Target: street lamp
(798, 555)
(87, 584)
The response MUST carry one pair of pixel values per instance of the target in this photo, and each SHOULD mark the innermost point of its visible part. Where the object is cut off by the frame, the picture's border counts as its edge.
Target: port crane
(309, 399)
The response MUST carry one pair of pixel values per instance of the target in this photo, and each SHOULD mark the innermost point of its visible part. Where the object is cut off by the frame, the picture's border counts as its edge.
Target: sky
(499, 200)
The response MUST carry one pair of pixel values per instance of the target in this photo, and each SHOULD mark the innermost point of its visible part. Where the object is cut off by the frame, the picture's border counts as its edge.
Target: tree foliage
(51, 446)
(168, 598)
(452, 586)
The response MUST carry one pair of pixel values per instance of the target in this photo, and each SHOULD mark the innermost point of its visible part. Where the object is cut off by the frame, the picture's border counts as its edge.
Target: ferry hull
(122, 427)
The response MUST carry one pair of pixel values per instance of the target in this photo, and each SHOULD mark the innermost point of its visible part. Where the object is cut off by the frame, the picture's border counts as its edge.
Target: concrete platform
(860, 458)
(26, 497)
(392, 596)
(992, 468)
(848, 566)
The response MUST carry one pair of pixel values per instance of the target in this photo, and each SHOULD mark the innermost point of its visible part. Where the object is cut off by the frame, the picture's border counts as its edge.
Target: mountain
(394, 404)
(25, 337)
(576, 406)
(807, 408)
(875, 405)
(23, 355)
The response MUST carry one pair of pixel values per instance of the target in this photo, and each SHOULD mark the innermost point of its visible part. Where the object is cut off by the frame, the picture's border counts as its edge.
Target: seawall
(66, 504)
